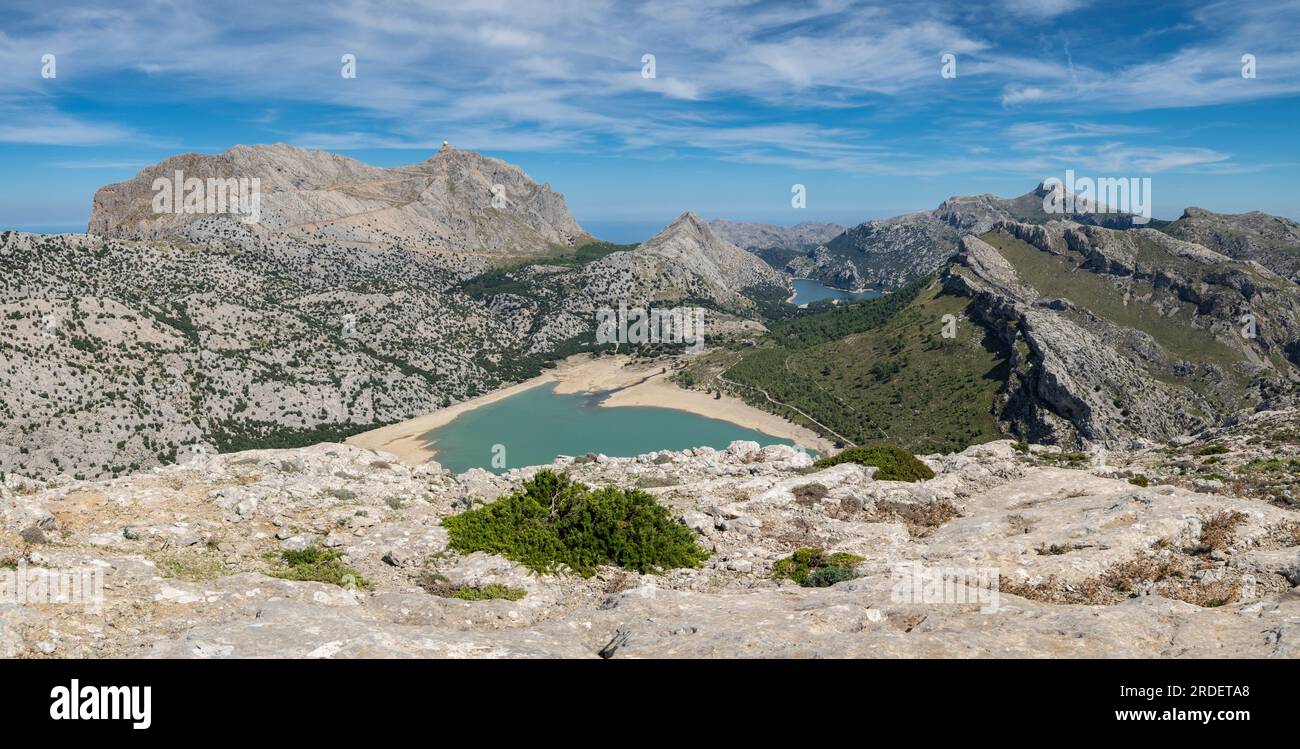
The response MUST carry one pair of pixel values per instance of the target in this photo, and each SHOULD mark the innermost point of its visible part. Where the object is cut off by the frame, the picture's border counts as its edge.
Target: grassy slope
(881, 377)
(1056, 276)
(906, 384)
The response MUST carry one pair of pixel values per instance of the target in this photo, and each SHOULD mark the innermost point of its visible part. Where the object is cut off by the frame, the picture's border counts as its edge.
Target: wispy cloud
(42, 125)
(1042, 8)
(818, 85)
(99, 164)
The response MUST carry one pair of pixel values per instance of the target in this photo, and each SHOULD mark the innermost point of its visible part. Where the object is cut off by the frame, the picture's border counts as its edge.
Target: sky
(747, 99)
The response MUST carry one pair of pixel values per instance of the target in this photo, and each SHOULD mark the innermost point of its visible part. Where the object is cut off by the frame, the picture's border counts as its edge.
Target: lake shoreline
(836, 293)
(644, 384)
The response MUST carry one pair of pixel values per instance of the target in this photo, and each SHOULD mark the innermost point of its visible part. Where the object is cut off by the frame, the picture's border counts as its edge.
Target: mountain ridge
(889, 253)
(455, 200)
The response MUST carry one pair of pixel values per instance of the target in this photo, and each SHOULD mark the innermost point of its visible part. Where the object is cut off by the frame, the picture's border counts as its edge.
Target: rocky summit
(1009, 550)
(1271, 241)
(455, 200)
(686, 260)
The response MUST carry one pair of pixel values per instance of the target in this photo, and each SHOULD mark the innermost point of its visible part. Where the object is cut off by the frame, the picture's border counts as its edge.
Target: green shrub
(552, 522)
(317, 565)
(894, 464)
(1140, 480)
(824, 577)
(489, 592)
(1212, 450)
(814, 568)
(1067, 457)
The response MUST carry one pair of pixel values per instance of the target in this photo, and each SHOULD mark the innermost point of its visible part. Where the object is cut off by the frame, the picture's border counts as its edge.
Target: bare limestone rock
(1039, 560)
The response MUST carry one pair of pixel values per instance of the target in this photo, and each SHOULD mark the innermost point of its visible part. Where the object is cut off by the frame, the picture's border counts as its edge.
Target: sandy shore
(635, 385)
(659, 391)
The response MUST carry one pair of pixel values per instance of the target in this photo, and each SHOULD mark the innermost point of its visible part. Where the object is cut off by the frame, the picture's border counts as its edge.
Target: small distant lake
(807, 290)
(537, 425)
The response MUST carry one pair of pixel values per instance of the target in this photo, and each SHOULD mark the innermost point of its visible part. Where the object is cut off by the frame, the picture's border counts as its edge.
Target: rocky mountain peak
(686, 260)
(458, 201)
(689, 221)
(690, 235)
(1271, 241)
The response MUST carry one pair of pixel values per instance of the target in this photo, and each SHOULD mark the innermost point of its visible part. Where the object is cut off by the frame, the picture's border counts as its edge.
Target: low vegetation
(1065, 459)
(489, 592)
(814, 568)
(876, 371)
(439, 585)
(1165, 570)
(1217, 529)
(894, 464)
(317, 565)
(191, 567)
(553, 523)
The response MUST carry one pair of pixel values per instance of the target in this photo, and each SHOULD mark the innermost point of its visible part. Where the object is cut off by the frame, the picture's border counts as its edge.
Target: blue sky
(749, 98)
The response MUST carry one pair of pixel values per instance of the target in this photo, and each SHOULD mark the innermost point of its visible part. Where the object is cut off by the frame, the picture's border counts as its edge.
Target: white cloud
(1021, 94)
(522, 75)
(1042, 8)
(99, 164)
(41, 125)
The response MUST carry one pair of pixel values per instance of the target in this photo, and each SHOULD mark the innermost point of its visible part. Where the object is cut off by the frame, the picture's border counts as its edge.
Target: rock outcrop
(1005, 553)
(831, 270)
(1271, 241)
(1118, 336)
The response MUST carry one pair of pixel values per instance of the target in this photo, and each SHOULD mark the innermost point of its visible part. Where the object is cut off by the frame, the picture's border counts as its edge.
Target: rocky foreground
(1078, 558)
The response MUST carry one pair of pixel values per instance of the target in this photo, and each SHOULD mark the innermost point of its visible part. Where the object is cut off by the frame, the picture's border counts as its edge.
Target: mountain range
(1099, 422)
(889, 253)
(365, 296)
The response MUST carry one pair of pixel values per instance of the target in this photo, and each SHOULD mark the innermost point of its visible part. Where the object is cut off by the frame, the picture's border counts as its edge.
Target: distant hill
(754, 235)
(889, 253)
(1271, 241)
(776, 245)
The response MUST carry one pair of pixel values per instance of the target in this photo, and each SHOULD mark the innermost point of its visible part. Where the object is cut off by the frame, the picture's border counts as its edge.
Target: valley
(309, 437)
(179, 336)
(555, 415)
